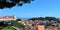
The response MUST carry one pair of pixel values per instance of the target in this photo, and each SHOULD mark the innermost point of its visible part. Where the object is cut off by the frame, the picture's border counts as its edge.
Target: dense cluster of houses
(41, 25)
(35, 25)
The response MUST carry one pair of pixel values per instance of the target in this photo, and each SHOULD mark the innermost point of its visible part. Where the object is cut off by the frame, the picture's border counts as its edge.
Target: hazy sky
(35, 9)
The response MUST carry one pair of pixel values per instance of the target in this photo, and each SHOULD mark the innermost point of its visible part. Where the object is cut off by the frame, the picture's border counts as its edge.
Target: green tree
(18, 19)
(41, 18)
(16, 24)
(2, 24)
(12, 3)
(9, 28)
(50, 18)
(33, 19)
(36, 18)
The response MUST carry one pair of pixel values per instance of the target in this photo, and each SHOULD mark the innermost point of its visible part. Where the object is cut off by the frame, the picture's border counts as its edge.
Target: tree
(50, 18)
(41, 18)
(47, 18)
(12, 3)
(18, 19)
(33, 19)
(2, 24)
(16, 24)
(36, 18)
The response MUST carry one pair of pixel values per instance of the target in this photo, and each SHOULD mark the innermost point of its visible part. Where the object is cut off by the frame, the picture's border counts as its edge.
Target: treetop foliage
(12, 3)
(43, 18)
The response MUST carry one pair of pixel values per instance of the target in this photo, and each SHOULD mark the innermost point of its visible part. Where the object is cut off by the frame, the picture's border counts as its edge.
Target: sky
(37, 8)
